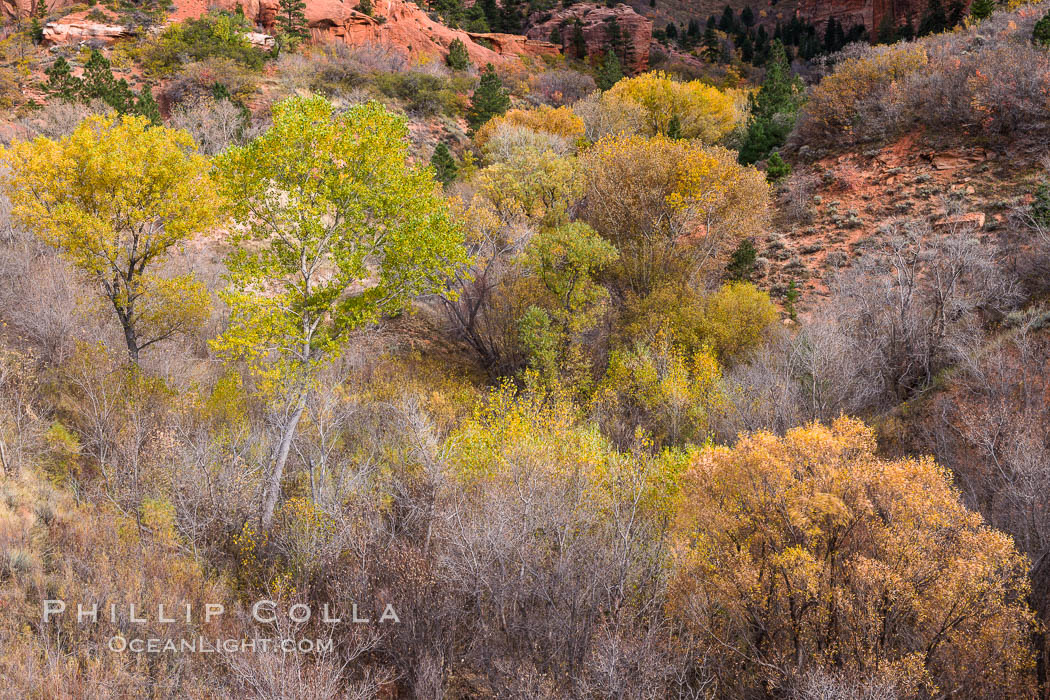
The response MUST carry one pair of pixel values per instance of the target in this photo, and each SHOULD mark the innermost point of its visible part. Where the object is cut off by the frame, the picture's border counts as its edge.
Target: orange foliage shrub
(809, 552)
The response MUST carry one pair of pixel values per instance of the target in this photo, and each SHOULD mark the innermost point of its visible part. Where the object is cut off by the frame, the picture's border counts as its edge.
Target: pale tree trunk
(272, 489)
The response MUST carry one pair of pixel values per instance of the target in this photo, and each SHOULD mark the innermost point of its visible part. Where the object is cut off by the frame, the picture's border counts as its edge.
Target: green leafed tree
(490, 99)
(339, 229)
(566, 259)
(444, 164)
(116, 197)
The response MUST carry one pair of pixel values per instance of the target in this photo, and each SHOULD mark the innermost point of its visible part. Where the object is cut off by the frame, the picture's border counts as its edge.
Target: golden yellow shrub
(736, 318)
(560, 121)
(670, 206)
(700, 111)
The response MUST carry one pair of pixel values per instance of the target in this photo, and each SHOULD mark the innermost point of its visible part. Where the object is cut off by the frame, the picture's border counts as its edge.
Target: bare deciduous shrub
(797, 196)
(989, 78)
(59, 118)
(508, 141)
(907, 306)
(198, 80)
(561, 87)
(214, 124)
(41, 299)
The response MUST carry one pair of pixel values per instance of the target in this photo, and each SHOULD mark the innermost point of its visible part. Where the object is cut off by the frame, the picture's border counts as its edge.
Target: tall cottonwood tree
(116, 197)
(338, 230)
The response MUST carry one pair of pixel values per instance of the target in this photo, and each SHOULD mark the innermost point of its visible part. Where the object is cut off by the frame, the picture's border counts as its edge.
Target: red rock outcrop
(400, 24)
(595, 23)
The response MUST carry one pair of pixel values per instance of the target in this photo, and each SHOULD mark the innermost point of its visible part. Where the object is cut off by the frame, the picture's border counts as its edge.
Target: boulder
(261, 41)
(961, 223)
(595, 22)
(73, 31)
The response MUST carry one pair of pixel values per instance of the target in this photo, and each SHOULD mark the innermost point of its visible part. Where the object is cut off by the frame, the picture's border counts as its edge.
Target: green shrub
(214, 35)
(1041, 32)
(420, 93)
(776, 168)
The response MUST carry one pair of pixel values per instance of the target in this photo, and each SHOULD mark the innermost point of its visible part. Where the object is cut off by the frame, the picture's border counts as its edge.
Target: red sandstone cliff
(595, 23)
(399, 24)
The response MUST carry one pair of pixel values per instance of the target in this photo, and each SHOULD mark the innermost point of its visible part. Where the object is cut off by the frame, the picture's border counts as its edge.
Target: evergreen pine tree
(444, 164)
(791, 297)
(60, 81)
(492, 14)
(830, 41)
(579, 42)
(887, 32)
(982, 9)
(747, 49)
(610, 72)
(146, 105)
(773, 108)
(555, 37)
(728, 21)
(776, 168)
(365, 7)
(711, 48)
(672, 31)
(291, 20)
(674, 128)
(98, 83)
(1041, 31)
(615, 38)
(955, 13)
(747, 16)
(511, 17)
(36, 27)
(742, 262)
(934, 21)
(908, 31)
(457, 58)
(490, 99)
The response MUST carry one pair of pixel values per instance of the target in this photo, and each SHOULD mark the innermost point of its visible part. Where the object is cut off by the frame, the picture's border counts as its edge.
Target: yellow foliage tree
(116, 197)
(809, 554)
(537, 186)
(559, 121)
(736, 318)
(699, 110)
(656, 387)
(670, 206)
